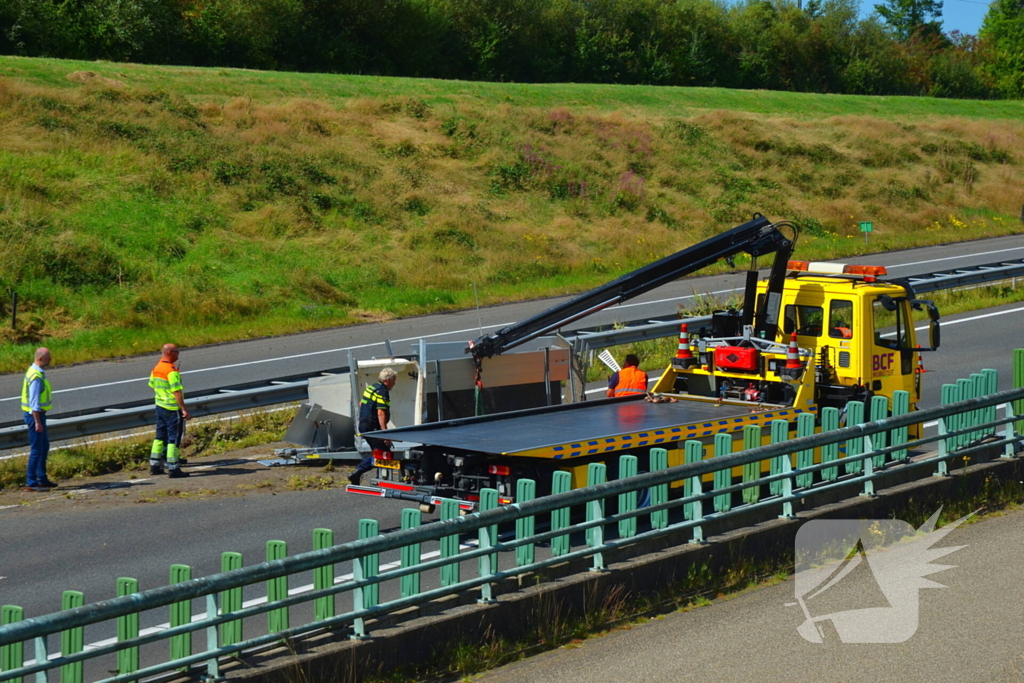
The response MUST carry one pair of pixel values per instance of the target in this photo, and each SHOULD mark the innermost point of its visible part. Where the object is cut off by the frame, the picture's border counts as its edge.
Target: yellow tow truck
(809, 336)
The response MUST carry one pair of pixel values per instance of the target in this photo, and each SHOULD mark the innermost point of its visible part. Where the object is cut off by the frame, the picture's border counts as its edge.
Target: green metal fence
(968, 422)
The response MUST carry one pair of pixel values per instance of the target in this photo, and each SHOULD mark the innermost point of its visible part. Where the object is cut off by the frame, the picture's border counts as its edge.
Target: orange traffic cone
(684, 343)
(793, 354)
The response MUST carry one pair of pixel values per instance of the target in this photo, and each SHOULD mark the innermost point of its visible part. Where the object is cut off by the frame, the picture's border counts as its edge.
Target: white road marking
(467, 330)
(954, 258)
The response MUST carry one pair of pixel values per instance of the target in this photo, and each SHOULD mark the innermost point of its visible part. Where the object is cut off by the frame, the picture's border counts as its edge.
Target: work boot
(177, 474)
(155, 470)
(354, 478)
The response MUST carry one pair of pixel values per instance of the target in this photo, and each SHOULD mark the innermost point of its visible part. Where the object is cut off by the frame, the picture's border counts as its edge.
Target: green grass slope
(141, 204)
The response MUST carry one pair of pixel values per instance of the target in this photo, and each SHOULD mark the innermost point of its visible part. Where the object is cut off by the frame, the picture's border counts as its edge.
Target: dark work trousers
(38, 449)
(170, 427)
(366, 464)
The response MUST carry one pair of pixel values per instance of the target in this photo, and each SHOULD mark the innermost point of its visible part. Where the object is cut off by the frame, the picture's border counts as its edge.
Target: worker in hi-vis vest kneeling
(628, 381)
(165, 381)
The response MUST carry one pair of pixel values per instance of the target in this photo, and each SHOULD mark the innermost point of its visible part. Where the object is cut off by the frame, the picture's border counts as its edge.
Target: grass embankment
(203, 438)
(142, 203)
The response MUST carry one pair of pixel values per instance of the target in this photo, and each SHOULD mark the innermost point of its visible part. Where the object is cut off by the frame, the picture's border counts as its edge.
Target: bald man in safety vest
(171, 413)
(629, 381)
(36, 401)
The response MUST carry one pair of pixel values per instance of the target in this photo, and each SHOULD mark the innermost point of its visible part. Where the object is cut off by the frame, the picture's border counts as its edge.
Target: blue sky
(957, 15)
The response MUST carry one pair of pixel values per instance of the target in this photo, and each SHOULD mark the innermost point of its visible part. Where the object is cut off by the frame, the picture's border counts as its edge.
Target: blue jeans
(38, 449)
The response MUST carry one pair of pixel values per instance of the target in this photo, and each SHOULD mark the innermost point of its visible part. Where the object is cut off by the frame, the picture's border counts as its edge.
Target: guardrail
(800, 469)
(122, 419)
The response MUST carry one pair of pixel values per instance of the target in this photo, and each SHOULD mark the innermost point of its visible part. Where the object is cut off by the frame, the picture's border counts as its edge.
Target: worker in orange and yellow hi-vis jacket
(165, 380)
(628, 381)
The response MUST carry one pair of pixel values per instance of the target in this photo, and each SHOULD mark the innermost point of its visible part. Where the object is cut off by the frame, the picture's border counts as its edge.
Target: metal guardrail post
(450, 545)
(73, 640)
(879, 411)
(805, 457)
(780, 434)
(487, 536)
(411, 518)
(1009, 433)
(991, 385)
(323, 577)
(1018, 382)
(41, 656)
(597, 473)
(723, 478)
(693, 452)
(231, 601)
(561, 482)
(526, 489)
(659, 493)
(900, 406)
(12, 656)
(212, 664)
(277, 589)
(751, 471)
(628, 467)
(830, 451)
(127, 628)
(363, 568)
(855, 446)
(181, 614)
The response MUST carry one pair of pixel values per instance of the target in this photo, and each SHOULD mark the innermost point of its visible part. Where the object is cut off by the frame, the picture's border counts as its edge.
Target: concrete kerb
(569, 592)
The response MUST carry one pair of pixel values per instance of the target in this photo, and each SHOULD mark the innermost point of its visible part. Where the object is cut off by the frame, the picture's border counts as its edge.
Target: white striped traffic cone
(684, 343)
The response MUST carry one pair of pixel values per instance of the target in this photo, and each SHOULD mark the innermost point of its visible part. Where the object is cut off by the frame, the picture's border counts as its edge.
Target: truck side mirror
(933, 322)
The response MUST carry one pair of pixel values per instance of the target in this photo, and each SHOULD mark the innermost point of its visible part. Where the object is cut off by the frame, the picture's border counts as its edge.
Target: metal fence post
(181, 614)
(411, 519)
(628, 467)
(526, 489)
(723, 477)
(659, 493)
(805, 458)
(597, 473)
(12, 656)
(561, 482)
(829, 452)
(487, 536)
(277, 589)
(212, 664)
(450, 545)
(854, 416)
(991, 382)
(127, 628)
(363, 568)
(1009, 450)
(900, 406)
(752, 470)
(879, 411)
(41, 656)
(1018, 382)
(786, 489)
(323, 577)
(72, 641)
(231, 601)
(692, 486)
(780, 434)
(980, 383)
(965, 420)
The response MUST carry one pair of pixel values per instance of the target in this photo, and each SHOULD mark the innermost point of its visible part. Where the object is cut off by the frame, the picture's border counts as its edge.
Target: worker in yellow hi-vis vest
(36, 400)
(171, 413)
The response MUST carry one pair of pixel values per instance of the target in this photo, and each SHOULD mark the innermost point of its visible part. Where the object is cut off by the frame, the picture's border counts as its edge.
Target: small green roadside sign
(866, 226)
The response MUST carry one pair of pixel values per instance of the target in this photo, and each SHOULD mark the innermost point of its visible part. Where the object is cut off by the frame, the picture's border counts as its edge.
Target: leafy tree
(1003, 29)
(907, 17)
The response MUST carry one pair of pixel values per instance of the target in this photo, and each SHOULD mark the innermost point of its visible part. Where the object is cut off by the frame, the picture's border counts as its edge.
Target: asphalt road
(89, 386)
(973, 630)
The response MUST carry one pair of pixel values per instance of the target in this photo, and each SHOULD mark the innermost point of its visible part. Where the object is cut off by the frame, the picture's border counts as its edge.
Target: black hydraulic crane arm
(756, 237)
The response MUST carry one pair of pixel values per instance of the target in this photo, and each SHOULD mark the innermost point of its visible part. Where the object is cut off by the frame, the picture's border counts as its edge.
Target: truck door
(892, 353)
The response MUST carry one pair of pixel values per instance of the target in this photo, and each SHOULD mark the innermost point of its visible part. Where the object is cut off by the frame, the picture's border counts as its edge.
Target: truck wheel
(426, 508)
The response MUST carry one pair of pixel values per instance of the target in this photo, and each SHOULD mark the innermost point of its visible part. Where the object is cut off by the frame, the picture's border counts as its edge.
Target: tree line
(808, 45)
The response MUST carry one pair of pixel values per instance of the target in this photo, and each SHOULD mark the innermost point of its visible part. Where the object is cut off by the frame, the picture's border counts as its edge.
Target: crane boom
(756, 237)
